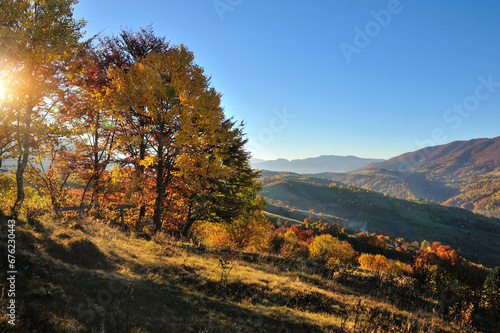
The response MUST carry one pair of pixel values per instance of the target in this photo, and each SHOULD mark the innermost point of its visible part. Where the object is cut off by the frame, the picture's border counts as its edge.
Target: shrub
(372, 262)
(213, 235)
(331, 249)
(293, 247)
(253, 233)
(492, 287)
(380, 263)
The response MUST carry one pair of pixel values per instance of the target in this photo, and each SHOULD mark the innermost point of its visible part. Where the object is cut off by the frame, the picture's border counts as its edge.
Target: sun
(3, 91)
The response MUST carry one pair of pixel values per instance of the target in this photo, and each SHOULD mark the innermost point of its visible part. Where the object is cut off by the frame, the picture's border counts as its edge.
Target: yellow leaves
(147, 161)
(374, 262)
(332, 249)
(380, 263)
(213, 235)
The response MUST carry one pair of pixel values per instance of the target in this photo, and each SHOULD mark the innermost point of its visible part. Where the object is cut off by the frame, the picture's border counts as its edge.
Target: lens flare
(3, 91)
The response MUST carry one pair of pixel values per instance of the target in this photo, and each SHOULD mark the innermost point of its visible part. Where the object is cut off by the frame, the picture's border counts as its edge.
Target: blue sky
(344, 77)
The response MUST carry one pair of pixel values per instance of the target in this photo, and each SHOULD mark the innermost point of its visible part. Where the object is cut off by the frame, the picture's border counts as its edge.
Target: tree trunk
(22, 162)
(189, 221)
(160, 186)
(142, 155)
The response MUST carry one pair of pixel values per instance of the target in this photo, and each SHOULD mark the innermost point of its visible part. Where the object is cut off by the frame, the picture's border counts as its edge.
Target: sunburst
(3, 91)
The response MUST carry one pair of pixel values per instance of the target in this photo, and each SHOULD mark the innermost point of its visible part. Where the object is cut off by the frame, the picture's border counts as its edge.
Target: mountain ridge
(479, 154)
(323, 163)
(463, 174)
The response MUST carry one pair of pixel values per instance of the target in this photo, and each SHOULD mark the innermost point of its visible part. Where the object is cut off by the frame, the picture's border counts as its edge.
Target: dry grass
(81, 275)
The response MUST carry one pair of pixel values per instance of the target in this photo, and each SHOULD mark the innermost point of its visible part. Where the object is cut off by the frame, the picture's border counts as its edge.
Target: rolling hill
(456, 158)
(464, 174)
(473, 235)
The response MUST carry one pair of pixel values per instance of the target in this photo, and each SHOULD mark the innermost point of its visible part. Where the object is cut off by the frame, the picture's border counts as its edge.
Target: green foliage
(492, 287)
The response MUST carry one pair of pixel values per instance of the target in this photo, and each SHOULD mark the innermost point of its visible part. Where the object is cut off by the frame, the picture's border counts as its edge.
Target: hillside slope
(83, 276)
(474, 236)
(455, 158)
(464, 174)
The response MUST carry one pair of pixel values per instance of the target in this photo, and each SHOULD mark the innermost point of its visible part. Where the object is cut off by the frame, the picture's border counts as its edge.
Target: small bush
(213, 235)
(251, 233)
(380, 263)
(331, 249)
(293, 247)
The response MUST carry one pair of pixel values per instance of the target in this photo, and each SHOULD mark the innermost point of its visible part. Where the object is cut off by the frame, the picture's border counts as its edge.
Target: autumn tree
(331, 249)
(193, 154)
(90, 116)
(380, 263)
(38, 42)
(120, 53)
(53, 167)
(220, 182)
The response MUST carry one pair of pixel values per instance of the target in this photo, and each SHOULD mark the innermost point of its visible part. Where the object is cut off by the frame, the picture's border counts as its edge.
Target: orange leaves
(380, 263)
(437, 253)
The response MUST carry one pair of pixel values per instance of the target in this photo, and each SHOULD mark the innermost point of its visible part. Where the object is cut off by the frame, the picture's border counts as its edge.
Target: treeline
(128, 119)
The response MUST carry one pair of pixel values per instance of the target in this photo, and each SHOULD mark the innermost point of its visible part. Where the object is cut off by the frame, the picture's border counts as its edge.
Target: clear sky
(335, 77)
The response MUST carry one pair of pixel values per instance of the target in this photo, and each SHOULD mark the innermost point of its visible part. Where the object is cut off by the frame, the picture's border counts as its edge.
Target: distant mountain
(256, 160)
(465, 174)
(458, 157)
(325, 163)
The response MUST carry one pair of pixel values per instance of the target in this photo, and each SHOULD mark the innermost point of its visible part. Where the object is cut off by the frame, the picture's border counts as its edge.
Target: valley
(448, 193)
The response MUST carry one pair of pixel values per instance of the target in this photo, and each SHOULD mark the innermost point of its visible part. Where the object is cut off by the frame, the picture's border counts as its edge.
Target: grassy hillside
(405, 185)
(465, 174)
(474, 191)
(474, 236)
(83, 276)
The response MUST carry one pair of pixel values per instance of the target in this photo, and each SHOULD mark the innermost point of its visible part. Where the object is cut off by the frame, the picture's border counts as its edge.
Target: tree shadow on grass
(62, 293)
(114, 303)
(370, 284)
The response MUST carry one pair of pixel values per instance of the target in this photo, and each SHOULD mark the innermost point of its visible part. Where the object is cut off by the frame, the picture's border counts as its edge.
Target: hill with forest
(464, 174)
(131, 206)
(457, 158)
(298, 197)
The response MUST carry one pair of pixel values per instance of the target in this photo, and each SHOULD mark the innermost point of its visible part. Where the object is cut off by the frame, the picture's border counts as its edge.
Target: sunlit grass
(171, 285)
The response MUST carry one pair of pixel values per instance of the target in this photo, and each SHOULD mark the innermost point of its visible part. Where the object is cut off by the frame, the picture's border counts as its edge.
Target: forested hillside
(473, 235)
(463, 174)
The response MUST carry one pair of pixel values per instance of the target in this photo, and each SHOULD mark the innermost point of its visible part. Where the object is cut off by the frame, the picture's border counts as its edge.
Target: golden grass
(82, 275)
